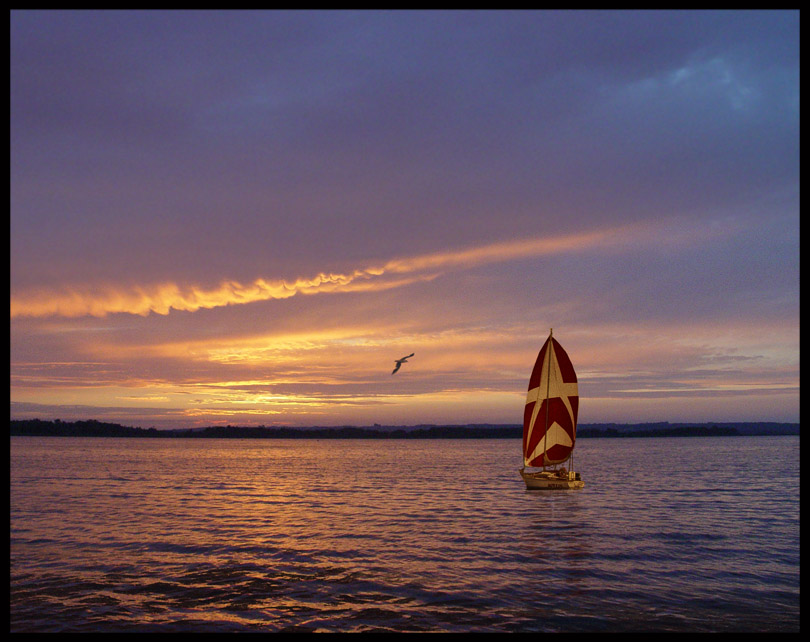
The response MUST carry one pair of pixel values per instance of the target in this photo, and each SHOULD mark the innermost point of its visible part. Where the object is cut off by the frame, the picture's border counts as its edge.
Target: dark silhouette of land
(93, 428)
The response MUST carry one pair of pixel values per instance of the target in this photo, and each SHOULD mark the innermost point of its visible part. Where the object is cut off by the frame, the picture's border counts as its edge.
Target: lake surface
(669, 534)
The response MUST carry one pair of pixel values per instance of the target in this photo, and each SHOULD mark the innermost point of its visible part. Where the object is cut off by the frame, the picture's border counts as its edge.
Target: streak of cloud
(162, 298)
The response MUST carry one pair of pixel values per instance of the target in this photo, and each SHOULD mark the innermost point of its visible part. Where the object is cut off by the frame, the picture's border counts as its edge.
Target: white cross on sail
(551, 381)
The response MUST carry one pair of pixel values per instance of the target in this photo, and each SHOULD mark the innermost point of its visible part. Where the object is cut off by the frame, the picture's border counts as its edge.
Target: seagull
(399, 362)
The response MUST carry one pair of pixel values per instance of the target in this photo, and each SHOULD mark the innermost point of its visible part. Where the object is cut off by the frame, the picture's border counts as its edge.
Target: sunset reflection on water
(397, 535)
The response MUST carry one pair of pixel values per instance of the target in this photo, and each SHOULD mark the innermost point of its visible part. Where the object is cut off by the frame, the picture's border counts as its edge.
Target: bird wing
(400, 361)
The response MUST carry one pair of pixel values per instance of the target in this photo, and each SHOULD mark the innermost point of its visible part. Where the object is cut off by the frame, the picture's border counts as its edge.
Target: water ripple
(224, 536)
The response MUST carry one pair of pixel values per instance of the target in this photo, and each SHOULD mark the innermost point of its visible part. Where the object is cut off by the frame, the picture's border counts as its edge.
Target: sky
(244, 218)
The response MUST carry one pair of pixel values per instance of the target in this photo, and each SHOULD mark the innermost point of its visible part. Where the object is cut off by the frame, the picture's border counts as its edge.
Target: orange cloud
(161, 298)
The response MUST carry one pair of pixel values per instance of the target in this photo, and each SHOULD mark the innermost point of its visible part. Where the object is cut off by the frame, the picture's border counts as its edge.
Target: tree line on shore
(94, 428)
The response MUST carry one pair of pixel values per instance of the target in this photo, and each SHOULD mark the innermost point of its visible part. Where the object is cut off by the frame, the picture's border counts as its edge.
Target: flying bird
(399, 362)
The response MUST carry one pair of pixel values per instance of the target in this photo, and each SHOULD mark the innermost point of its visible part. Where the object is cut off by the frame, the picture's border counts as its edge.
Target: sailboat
(550, 421)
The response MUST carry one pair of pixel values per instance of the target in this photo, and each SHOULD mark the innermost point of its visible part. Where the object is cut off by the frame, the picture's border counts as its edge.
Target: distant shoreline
(93, 428)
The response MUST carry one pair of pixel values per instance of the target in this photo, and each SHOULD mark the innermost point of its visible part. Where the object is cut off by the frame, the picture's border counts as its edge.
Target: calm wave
(669, 534)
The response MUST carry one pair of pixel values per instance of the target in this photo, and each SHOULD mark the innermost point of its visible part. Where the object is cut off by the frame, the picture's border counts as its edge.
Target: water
(669, 534)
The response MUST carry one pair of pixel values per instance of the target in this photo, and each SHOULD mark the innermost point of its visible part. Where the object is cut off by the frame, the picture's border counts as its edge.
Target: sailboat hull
(544, 480)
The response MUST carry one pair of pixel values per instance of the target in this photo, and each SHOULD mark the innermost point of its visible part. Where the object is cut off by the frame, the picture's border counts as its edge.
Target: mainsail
(550, 416)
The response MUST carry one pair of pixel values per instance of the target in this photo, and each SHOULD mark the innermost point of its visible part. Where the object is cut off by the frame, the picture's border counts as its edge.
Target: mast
(548, 388)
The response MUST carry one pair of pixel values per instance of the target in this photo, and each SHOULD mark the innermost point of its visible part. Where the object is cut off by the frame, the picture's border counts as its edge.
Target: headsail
(550, 416)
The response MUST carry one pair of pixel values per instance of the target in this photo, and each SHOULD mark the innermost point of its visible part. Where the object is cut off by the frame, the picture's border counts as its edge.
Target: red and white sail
(550, 416)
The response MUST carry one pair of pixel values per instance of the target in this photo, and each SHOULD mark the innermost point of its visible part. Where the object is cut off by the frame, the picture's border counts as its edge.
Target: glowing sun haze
(245, 217)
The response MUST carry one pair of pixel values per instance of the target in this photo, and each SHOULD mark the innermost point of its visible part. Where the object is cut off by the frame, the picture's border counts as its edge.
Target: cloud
(437, 173)
(161, 298)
